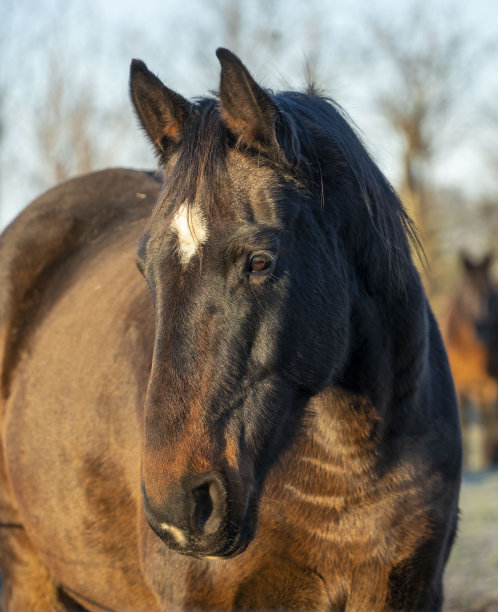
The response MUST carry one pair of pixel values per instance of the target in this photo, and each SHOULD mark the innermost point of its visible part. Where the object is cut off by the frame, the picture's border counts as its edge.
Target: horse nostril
(203, 506)
(208, 503)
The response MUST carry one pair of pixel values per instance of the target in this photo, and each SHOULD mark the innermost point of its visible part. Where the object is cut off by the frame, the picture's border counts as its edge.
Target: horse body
(280, 412)
(96, 415)
(469, 331)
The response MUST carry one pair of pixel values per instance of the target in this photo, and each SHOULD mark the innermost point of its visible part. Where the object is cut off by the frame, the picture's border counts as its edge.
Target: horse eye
(260, 262)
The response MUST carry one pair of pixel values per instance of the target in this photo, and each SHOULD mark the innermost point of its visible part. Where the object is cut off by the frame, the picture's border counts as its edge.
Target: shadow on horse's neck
(382, 383)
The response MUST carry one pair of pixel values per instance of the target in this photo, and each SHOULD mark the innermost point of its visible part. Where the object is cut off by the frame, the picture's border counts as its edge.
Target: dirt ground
(471, 581)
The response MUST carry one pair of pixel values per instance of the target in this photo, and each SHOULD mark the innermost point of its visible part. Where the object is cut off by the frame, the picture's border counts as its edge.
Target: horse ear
(465, 260)
(161, 112)
(487, 260)
(246, 109)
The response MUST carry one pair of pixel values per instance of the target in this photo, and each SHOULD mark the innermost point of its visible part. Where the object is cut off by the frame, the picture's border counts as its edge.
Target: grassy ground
(471, 581)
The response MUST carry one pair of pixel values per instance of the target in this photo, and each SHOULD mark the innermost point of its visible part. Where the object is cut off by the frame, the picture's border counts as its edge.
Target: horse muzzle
(199, 519)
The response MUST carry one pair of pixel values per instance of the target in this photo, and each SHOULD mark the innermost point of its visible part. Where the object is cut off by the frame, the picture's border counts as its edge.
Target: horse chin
(238, 544)
(235, 549)
(222, 550)
(229, 551)
(230, 543)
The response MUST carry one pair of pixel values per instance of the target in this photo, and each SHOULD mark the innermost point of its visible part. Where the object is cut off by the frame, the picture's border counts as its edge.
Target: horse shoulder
(50, 230)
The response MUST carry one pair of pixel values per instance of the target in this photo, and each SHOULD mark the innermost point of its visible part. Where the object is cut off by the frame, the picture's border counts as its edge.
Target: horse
(268, 421)
(470, 333)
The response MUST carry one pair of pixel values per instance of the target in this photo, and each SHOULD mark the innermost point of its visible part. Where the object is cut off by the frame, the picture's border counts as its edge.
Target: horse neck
(339, 450)
(344, 431)
(380, 391)
(332, 458)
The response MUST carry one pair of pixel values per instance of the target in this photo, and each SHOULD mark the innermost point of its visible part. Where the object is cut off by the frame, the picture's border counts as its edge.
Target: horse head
(249, 270)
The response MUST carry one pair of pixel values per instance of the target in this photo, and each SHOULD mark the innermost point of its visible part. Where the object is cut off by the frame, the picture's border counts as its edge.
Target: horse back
(55, 227)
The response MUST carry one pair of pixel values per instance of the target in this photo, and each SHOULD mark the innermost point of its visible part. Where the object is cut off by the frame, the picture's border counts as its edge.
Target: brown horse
(272, 425)
(470, 332)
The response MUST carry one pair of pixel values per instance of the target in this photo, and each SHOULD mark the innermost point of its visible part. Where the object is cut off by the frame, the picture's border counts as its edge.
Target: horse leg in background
(465, 412)
(28, 585)
(489, 411)
(494, 433)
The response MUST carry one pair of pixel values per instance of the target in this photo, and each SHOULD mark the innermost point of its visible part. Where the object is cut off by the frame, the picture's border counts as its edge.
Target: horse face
(251, 320)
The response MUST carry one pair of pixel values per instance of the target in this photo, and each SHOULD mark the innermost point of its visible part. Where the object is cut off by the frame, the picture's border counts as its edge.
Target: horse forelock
(196, 171)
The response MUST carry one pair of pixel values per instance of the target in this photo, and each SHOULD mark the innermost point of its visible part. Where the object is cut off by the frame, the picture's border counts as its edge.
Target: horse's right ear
(246, 108)
(161, 112)
(465, 261)
(487, 260)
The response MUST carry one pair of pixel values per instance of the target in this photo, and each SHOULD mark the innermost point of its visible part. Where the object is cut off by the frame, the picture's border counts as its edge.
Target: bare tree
(491, 146)
(425, 64)
(13, 42)
(286, 37)
(63, 118)
(74, 131)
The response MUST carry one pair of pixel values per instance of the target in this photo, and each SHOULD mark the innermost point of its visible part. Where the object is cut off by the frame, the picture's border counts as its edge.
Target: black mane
(337, 163)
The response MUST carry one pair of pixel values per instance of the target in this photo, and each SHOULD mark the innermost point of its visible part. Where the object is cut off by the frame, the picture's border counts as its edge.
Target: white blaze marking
(190, 227)
(177, 534)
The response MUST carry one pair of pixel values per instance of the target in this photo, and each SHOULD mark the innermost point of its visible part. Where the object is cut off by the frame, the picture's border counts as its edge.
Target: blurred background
(419, 80)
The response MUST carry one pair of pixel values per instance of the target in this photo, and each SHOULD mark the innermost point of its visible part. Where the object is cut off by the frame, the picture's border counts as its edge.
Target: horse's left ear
(162, 112)
(246, 108)
(487, 260)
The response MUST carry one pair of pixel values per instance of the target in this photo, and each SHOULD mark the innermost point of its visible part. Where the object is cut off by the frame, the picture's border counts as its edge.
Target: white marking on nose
(190, 227)
(177, 534)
